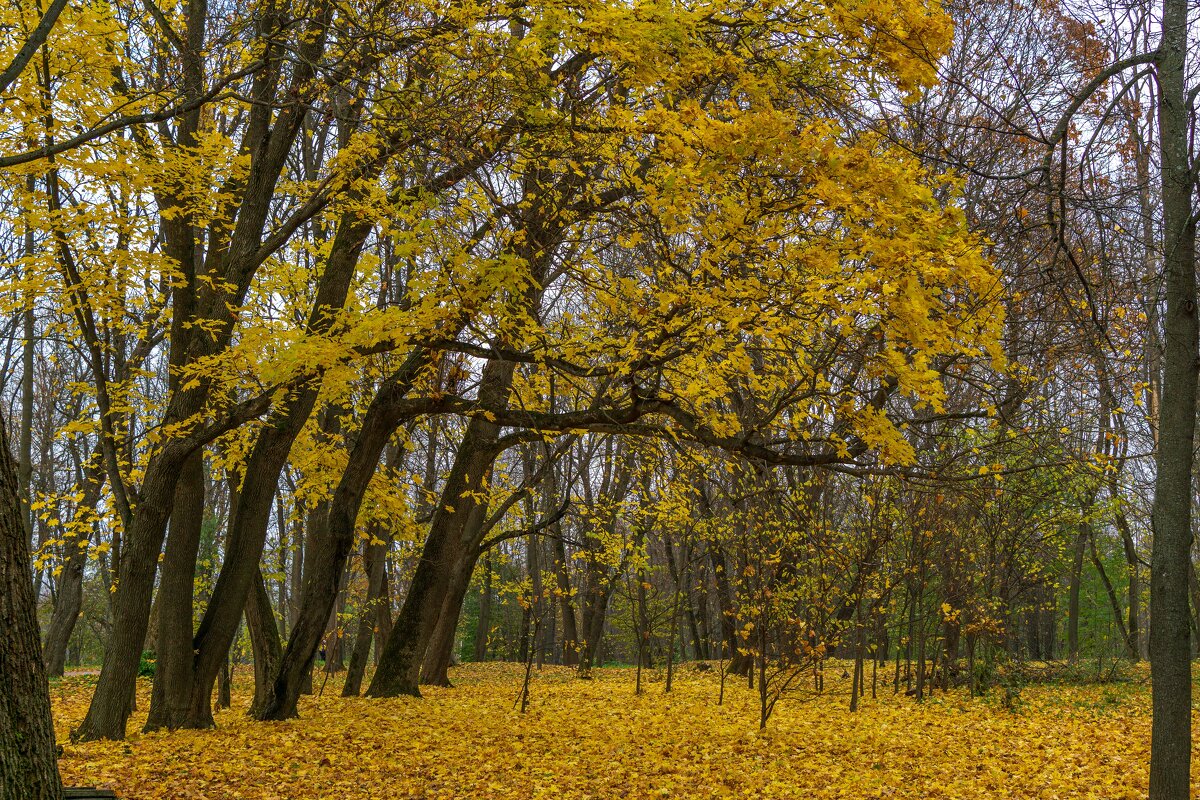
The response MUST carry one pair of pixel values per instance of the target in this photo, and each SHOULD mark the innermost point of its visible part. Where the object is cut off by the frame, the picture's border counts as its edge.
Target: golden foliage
(595, 739)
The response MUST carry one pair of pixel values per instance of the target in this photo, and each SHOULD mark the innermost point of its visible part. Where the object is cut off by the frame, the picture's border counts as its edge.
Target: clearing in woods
(596, 739)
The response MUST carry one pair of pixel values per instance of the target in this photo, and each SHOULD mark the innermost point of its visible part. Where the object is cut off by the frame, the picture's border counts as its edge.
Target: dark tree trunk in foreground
(1170, 666)
(174, 672)
(28, 759)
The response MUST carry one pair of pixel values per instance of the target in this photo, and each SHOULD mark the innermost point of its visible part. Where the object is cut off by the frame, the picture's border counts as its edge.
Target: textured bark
(566, 604)
(400, 663)
(229, 264)
(1170, 654)
(110, 707)
(28, 759)
(170, 700)
(439, 654)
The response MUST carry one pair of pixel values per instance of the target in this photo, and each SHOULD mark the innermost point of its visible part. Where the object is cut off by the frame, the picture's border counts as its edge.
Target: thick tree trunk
(28, 757)
(1170, 665)
(439, 654)
(251, 517)
(170, 701)
(111, 702)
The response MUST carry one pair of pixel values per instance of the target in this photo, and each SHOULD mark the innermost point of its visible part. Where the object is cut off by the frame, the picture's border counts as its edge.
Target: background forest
(366, 339)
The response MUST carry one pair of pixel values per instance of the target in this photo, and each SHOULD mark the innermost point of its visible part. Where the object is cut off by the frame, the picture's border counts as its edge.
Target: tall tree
(28, 754)
(1170, 631)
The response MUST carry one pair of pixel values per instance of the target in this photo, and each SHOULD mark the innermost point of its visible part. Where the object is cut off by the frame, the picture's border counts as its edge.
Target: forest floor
(596, 739)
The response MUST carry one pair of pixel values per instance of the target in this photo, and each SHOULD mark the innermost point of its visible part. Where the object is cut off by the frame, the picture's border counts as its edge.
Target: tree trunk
(28, 757)
(264, 641)
(570, 630)
(110, 707)
(171, 699)
(1073, 601)
(457, 519)
(1170, 665)
(439, 654)
(70, 588)
(1134, 590)
(484, 628)
(374, 561)
(330, 544)
(335, 660)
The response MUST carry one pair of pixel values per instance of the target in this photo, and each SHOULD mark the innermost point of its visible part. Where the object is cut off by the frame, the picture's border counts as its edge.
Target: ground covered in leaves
(595, 739)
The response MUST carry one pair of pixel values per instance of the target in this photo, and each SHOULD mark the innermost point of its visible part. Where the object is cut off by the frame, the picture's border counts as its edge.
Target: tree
(28, 754)
(1170, 564)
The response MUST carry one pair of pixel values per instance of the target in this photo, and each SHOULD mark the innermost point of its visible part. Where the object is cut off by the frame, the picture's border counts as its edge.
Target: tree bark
(170, 700)
(28, 757)
(566, 604)
(458, 508)
(1170, 665)
(439, 653)
(110, 707)
(330, 544)
(264, 640)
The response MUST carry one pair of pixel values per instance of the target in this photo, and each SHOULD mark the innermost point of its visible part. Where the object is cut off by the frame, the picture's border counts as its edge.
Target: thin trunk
(264, 640)
(484, 628)
(1073, 601)
(374, 561)
(70, 588)
(1112, 594)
